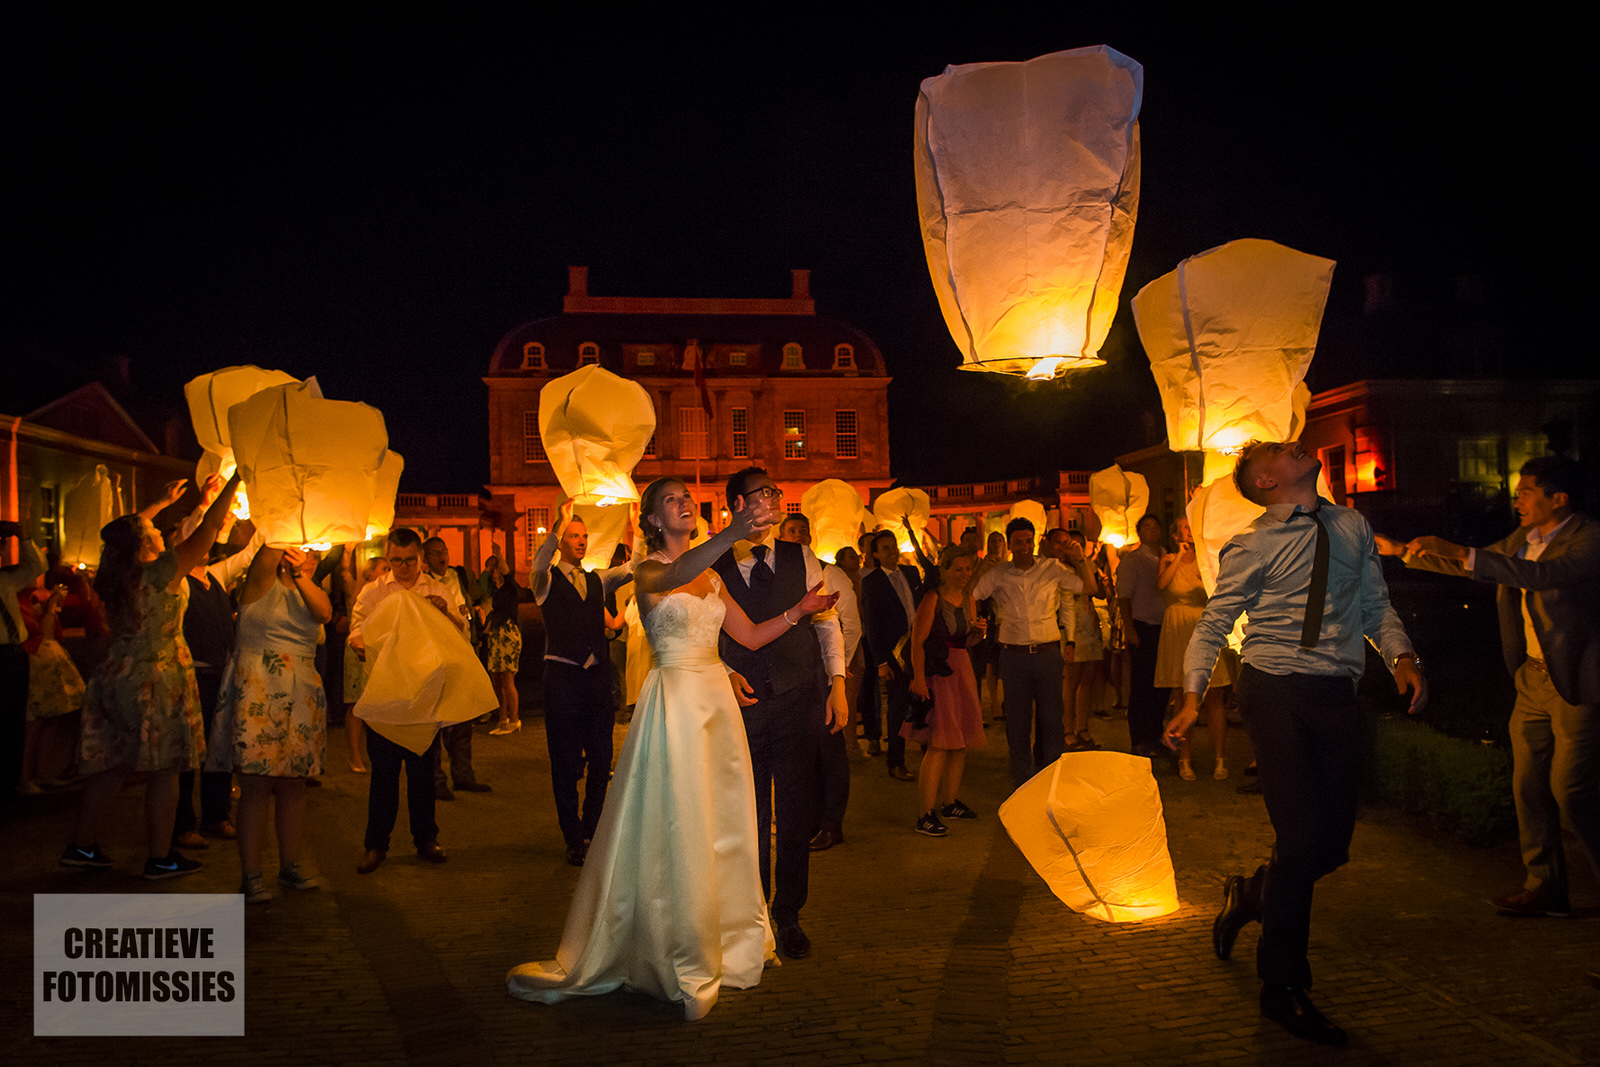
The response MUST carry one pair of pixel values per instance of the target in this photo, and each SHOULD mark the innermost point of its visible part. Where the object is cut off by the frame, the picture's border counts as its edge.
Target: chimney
(802, 285)
(577, 281)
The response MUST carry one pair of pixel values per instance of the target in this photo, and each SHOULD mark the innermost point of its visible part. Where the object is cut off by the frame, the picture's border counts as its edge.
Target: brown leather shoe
(825, 840)
(190, 840)
(901, 774)
(371, 860)
(223, 829)
(1533, 903)
(431, 853)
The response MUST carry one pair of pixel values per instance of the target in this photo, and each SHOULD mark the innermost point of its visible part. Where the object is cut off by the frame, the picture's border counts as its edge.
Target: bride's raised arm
(654, 578)
(753, 635)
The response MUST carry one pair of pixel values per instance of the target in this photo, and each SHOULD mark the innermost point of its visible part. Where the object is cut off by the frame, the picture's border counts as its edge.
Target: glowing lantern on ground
(85, 508)
(836, 513)
(1033, 511)
(595, 427)
(210, 396)
(891, 510)
(385, 488)
(311, 464)
(1027, 188)
(1119, 499)
(1091, 826)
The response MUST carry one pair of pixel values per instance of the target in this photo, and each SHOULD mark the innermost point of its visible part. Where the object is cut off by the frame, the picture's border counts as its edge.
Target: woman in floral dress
(272, 712)
(142, 711)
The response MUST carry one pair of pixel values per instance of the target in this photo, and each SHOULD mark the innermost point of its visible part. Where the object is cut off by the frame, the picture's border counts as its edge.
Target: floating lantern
(311, 464)
(605, 525)
(836, 513)
(385, 488)
(210, 396)
(891, 509)
(1091, 826)
(85, 508)
(1033, 511)
(421, 673)
(595, 427)
(1119, 499)
(1027, 188)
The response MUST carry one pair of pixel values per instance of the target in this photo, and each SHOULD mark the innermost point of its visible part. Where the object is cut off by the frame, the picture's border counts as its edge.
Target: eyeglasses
(767, 492)
(404, 561)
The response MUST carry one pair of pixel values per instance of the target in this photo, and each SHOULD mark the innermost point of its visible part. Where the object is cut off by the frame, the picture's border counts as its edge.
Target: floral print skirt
(272, 716)
(505, 648)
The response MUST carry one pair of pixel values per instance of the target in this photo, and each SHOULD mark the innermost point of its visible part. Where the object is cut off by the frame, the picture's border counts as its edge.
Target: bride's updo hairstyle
(655, 539)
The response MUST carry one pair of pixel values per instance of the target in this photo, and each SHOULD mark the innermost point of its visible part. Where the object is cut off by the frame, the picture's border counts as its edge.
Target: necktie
(760, 573)
(580, 583)
(1319, 587)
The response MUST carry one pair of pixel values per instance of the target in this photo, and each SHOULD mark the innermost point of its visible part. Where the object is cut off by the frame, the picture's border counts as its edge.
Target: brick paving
(941, 952)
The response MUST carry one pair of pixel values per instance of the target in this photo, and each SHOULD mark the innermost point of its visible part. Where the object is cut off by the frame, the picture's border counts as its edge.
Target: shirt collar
(1285, 512)
(1535, 537)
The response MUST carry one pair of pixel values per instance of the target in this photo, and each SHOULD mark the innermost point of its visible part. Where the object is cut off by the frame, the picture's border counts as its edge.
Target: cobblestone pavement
(926, 951)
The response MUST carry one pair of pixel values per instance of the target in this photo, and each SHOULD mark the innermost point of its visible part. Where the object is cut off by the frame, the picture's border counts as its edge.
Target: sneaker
(957, 810)
(254, 888)
(1533, 902)
(85, 857)
(174, 866)
(930, 826)
(294, 876)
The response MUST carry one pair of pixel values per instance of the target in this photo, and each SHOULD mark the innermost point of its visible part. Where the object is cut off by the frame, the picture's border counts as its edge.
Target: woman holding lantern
(271, 724)
(142, 711)
(670, 900)
(1180, 584)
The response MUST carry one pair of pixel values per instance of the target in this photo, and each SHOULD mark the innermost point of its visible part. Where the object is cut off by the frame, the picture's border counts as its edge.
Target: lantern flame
(605, 502)
(316, 546)
(1045, 369)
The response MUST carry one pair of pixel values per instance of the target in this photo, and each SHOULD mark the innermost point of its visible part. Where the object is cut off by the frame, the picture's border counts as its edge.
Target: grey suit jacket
(1563, 591)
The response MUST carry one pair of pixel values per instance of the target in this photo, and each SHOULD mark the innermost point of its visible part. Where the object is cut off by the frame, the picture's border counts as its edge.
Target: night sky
(377, 199)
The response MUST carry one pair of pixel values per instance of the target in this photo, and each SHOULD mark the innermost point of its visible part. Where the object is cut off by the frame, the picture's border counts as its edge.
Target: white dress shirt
(385, 586)
(1027, 600)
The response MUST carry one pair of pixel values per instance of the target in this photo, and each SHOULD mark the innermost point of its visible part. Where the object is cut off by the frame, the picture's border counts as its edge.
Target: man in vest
(578, 704)
(792, 684)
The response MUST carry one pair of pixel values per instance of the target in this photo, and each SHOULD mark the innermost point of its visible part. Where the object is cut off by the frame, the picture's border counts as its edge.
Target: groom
(785, 687)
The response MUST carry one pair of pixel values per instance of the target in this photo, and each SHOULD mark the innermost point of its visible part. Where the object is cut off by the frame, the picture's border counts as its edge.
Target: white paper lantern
(1090, 824)
(1027, 189)
(210, 396)
(1033, 511)
(85, 508)
(311, 464)
(1119, 499)
(605, 526)
(891, 508)
(595, 427)
(386, 487)
(836, 513)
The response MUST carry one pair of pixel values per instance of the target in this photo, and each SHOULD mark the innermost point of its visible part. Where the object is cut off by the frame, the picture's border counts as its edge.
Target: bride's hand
(741, 689)
(815, 601)
(751, 521)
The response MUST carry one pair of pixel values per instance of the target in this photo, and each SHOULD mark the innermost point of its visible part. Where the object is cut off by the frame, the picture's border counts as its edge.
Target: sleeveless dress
(271, 711)
(1186, 601)
(669, 901)
(957, 718)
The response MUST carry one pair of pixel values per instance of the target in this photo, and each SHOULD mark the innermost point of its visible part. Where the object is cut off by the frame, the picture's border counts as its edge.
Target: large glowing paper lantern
(311, 464)
(1119, 499)
(1033, 511)
(605, 526)
(1091, 826)
(836, 513)
(380, 520)
(422, 674)
(892, 507)
(595, 427)
(210, 396)
(85, 508)
(1027, 188)
(1230, 335)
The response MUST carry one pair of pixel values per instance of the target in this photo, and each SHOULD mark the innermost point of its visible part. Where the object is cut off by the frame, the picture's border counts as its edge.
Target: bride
(669, 902)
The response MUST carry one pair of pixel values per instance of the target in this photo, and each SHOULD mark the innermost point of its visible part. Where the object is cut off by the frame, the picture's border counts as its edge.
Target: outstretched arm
(192, 551)
(754, 635)
(655, 578)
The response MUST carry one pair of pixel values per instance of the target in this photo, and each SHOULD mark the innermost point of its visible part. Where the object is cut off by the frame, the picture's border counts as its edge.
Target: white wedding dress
(669, 902)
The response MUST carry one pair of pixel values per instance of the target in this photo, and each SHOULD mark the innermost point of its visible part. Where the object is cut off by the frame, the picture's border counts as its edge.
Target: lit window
(537, 523)
(693, 440)
(647, 359)
(532, 444)
(739, 420)
(738, 359)
(1334, 468)
(791, 357)
(794, 435)
(533, 356)
(588, 354)
(844, 434)
(844, 357)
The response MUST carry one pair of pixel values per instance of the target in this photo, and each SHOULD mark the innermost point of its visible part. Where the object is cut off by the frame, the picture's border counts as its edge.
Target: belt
(1537, 664)
(1033, 649)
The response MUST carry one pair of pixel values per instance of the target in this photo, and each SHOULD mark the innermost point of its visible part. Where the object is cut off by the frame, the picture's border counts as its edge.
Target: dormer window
(588, 353)
(791, 357)
(533, 356)
(647, 358)
(738, 359)
(844, 357)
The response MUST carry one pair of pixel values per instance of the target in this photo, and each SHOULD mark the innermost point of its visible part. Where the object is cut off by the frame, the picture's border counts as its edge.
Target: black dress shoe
(577, 854)
(472, 787)
(1236, 911)
(431, 853)
(901, 774)
(1292, 1009)
(442, 792)
(371, 860)
(822, 841)
(874, 748)
(793, 942)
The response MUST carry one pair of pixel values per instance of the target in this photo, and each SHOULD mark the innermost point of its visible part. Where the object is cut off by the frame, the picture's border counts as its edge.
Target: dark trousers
(896, 706)
(867, 701)
(13, 718)
(578, 718)
(1034, 730)
(455, 741)
(216, 787)
(383, 795)
(833, 777)
(783, 754)
(1307, 732)
(1146, 703)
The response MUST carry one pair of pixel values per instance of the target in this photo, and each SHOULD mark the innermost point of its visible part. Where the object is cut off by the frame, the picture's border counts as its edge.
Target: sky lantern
(85, 508)
(1119, 499)
(1091, 825)
(1027, 189)
(836, 513)
(892, 507)
(1033, 511)
(595, 427)
(210, 396)
(311, 464)
(384, 491)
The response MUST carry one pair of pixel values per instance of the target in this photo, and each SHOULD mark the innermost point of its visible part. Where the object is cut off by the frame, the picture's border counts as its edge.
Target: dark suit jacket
(883, 618)
(1563, 591)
